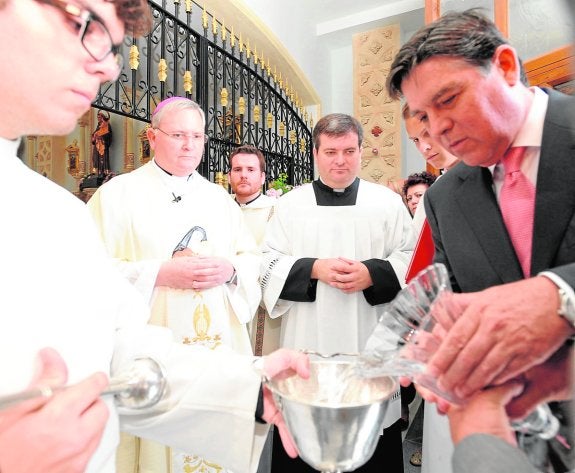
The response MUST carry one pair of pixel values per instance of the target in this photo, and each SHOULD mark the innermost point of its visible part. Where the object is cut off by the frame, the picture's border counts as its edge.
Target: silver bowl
(335, 417)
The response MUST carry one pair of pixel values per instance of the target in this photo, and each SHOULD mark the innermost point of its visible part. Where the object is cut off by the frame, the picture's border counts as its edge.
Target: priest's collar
(249, 201)
(176, 186)
(327, 196)
(180, 178)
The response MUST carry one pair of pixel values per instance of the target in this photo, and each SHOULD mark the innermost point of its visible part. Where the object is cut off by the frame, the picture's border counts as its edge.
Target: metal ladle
(139, 385)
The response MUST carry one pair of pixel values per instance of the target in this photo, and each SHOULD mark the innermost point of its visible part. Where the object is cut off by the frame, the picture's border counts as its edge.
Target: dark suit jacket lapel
(477, 202)
(555, 199)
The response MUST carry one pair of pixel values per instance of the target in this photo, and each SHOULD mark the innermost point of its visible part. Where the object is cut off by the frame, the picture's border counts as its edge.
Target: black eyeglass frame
(87, 18)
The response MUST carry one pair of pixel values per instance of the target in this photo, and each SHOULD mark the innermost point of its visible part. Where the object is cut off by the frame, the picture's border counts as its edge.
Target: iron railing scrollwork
(239, 94)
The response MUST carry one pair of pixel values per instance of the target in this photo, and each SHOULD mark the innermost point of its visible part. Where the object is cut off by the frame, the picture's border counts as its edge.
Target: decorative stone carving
(388, 140)
(389, 117)
(375, 47)
(387, 56)
(377, 113)
(376, 131)
(365, 102)
(377, 89)
(376, 174)
(390, 159)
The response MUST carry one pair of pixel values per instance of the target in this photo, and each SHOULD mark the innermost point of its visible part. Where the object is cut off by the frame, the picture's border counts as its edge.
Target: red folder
(423, 253)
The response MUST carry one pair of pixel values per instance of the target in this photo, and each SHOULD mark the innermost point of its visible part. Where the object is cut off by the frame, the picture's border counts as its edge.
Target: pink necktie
(517, 203)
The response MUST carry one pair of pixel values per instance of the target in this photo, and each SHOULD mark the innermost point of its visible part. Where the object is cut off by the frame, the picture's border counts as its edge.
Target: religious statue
(101, 141)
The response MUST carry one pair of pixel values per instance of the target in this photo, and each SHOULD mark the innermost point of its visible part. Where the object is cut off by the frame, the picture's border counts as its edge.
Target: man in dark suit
(461, 77)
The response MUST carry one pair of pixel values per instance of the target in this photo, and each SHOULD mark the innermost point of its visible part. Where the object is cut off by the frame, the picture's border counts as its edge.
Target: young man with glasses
(183, 243)
(48, 242)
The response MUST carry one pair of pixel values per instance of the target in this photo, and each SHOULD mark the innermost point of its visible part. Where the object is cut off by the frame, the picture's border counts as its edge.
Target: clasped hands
(186, 270)
(342, 273)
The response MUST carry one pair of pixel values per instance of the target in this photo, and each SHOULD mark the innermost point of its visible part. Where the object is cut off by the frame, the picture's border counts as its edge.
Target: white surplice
(142, 216)
(377, 226)
(59, 289)
(257, 215)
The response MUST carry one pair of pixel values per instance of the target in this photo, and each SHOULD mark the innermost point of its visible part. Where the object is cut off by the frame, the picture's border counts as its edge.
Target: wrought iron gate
(244, 101)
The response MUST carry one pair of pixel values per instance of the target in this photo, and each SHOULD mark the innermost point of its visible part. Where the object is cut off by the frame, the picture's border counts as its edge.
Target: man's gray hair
(337, 124)
(172, 104)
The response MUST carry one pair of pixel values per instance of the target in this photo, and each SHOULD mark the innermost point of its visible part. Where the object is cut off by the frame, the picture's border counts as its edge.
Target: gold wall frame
(145, 150)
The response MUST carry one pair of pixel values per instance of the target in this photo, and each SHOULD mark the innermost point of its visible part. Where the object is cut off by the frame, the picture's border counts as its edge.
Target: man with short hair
(247, 176)
(460, 76)
(60, 290)
(335, 250)
(183, 243)
(431, 150)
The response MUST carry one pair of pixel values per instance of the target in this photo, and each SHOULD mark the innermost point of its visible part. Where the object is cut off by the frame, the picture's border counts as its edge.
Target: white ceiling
(325, 10)
(319, 11)
(335, 15)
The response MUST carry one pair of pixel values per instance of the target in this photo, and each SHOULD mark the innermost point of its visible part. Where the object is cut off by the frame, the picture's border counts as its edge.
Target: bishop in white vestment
(158, 220)
(141, 226)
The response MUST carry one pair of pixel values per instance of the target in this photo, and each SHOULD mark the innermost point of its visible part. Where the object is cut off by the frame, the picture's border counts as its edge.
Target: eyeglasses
(195, 137)
(93, 34)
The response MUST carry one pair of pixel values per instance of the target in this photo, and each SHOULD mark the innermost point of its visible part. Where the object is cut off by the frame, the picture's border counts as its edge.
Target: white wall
(297, 32)
(340, 77)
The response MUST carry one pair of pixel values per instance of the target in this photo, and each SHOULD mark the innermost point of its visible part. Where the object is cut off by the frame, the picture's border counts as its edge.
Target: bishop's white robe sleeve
(114, 226)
